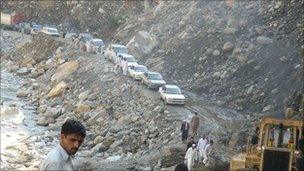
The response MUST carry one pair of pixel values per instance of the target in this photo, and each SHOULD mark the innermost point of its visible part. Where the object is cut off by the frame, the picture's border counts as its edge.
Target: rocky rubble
(245, 55)
(141, 130)
(216, 48)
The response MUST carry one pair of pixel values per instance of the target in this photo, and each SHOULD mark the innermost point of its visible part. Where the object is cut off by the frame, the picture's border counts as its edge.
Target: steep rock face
(142, 44)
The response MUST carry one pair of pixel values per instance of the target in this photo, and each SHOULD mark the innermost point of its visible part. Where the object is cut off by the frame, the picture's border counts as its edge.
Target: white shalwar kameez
(207, 151)
(200, 147)
(190, 156)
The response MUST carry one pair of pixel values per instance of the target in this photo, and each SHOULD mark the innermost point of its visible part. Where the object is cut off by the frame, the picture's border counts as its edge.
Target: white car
(152, 79)
(95, 46)
(136, 71)
(114, 50)
(129, 58)
(50, 31)
(172, 94)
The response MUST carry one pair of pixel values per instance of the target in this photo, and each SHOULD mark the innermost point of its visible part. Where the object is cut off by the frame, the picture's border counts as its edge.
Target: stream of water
(17, 120)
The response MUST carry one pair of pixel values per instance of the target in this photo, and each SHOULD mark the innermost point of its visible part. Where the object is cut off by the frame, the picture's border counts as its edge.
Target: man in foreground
(71, 138)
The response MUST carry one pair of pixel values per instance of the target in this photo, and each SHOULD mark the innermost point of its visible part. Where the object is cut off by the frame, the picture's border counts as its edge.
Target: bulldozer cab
(274, 146)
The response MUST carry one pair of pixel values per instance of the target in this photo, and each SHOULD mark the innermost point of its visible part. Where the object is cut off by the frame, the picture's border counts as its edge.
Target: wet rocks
(8, 111)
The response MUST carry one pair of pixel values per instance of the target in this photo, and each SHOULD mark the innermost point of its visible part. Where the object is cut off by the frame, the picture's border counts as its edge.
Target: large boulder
(64, 71)
(142, 44)
(84, 95)
(23, 92)
(28, 61)
(262, 40)
(8, 111)
(44, 120)
(82, 108)
(11, 66)
(53, 111)
(23, 71)
(58, 89)
(173, 156)
(227, 46)
(231, 30)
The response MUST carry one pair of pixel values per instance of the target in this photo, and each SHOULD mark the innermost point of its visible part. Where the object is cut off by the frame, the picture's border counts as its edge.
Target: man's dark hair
(73, 127)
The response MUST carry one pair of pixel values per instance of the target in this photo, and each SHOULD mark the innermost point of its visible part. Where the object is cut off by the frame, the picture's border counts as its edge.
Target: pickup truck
(152, 80)
(171, 94)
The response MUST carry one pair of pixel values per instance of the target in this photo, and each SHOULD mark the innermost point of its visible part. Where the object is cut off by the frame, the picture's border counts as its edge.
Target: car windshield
(130, 59)
(140, 69)
(98, 43)
(121, 49)
(86, 36)
(155, 77)
(37, 27)
(174, 90)
(53, 30)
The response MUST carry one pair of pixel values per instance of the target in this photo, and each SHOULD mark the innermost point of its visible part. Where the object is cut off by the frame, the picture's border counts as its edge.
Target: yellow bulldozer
(274, 146)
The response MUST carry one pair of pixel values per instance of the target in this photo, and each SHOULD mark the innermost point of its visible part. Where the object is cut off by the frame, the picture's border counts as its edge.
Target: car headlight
(297, 152)
(259, 148)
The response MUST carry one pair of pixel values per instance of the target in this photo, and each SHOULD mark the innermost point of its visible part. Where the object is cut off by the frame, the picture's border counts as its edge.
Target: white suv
(114, 50)
(50, 31)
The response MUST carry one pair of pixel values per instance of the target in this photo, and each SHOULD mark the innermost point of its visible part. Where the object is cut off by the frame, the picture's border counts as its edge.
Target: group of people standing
(186, 127)
(197, 152)
(120, 66)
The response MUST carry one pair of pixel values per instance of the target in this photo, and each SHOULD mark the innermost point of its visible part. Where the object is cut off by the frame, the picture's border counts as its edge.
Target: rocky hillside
(142, 132)
(247, 55)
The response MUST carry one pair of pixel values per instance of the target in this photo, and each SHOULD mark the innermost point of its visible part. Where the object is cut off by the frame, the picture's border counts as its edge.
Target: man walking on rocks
(207, 151)
(195, 124)
(190, 157)
(202, 142)
(60, 158)
(185, 130)
(124, 64)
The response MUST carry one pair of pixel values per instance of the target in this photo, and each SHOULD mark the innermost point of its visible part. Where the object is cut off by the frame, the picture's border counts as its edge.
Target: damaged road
(143, 133)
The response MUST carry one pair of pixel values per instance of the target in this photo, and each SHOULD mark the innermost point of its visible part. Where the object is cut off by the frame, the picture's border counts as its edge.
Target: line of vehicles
(171, 94)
